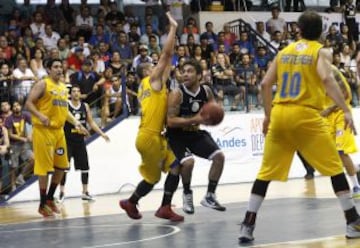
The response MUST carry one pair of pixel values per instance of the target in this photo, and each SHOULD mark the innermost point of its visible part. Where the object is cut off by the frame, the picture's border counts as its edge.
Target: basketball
(213, 112)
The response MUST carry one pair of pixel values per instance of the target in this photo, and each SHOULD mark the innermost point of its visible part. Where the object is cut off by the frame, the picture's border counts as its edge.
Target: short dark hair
(49, 63)
(194, 63)
(310, 19)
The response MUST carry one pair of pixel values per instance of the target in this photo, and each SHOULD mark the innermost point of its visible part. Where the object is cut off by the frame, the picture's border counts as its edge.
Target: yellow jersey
(53, 104)
(153, 107)
(339, 78)
(298, 80)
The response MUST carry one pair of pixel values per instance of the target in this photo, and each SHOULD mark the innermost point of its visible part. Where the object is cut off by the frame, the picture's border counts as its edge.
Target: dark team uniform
(191, 140)
(76, 146)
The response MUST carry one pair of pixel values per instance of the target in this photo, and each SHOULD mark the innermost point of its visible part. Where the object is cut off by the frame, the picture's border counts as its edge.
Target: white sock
(255, 202)
(346, 201)
(354, 181)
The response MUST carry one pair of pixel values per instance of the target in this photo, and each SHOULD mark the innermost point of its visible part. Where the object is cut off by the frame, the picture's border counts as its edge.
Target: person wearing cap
(142, 57)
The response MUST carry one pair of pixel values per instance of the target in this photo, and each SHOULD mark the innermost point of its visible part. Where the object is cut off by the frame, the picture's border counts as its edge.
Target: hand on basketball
(349, 122)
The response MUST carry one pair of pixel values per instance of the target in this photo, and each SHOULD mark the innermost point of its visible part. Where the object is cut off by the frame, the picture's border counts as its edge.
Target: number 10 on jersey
(290, 85)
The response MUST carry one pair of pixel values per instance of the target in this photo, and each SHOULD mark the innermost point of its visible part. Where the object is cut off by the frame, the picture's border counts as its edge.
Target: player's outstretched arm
(161, 71)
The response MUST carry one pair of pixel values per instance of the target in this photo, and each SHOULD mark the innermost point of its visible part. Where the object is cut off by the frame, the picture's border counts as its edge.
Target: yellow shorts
(344, 138)
(49, 150)
(297, 128)
(156, 156)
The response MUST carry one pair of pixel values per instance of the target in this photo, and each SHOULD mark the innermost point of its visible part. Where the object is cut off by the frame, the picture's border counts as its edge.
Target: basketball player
(150, 143)
(293, 122)
(47, 102)
(187, 139)
(76, 146)
(345, 140)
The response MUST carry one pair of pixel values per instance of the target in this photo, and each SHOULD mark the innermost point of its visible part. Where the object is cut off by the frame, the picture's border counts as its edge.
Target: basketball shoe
(246, 233)
(165, 212)
(353, 229)
(130, 209)
(211, 202)
(188, 204)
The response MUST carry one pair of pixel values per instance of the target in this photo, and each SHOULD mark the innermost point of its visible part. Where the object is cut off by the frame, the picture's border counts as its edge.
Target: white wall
(115, 164)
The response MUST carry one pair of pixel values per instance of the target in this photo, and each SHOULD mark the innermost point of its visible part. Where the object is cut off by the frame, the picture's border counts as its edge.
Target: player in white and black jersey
(187, 139)
(75, 140)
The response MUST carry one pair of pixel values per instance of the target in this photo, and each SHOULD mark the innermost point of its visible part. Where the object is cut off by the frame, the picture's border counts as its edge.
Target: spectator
(123, 48)
(335, 37)
(67, 11)
(229, 36)
(76, 59)
(5, 82)
(277, 38)
(153, 45)
(5, 110)
(37, 64)
(142, 57)
(99, 36)
(64, 50)
(88, 81)
(114, 15)
(223, 82)
(99, 65)
(183, 37)
(116, 64)
(276, 23)
(22, 158)
(144, 39)
(50, 38)
(246, 46)
(206, 74)
(24, 79)
(38, 25)
(134, 38)
(349, 12)
(84, 22)
(5, 49)
(260, 28)
(53, 12)
(221, 42)
(26, 10)
(235, 55)
(82, 44)
(209, 33)
(20, 49)
(207, 51)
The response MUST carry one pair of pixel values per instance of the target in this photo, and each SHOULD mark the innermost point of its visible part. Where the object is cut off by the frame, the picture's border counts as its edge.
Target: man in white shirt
(50, 38)
(24, 79)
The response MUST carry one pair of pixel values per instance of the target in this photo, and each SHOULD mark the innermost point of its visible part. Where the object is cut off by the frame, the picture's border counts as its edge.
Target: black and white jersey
(80, 114)
(190, 105)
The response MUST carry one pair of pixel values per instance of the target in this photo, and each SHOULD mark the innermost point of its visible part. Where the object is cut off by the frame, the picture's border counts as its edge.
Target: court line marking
(294, 242)
(175, 230)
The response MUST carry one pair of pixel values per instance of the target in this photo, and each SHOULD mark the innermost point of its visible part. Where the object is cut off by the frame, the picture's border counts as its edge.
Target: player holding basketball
(48, 105)
(345, 140)
(150, 143)
(186, 138)
(293, 122)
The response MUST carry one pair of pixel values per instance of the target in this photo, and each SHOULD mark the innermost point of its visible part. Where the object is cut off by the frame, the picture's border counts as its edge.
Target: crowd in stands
(101, 47)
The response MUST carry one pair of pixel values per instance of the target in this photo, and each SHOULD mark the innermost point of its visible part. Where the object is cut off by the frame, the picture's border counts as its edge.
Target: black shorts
(199, 143)
(78, 152)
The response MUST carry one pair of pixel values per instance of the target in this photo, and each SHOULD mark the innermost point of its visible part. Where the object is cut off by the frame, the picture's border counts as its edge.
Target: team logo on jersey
(301, 46)
(195, 106)
(77, 116)
(60, 151)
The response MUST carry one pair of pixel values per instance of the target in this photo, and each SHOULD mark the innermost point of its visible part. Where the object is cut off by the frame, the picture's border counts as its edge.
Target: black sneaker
(211, 202)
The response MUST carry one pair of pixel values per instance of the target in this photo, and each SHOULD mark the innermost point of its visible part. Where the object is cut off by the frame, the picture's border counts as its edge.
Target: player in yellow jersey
(344, 138)
(293, 122)
(47, 102)
(152, 146)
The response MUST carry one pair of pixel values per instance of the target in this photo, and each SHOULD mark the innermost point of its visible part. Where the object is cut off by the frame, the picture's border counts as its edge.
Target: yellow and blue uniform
(344, 138)
(49, 141)
(155, 153)
(295, 122)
